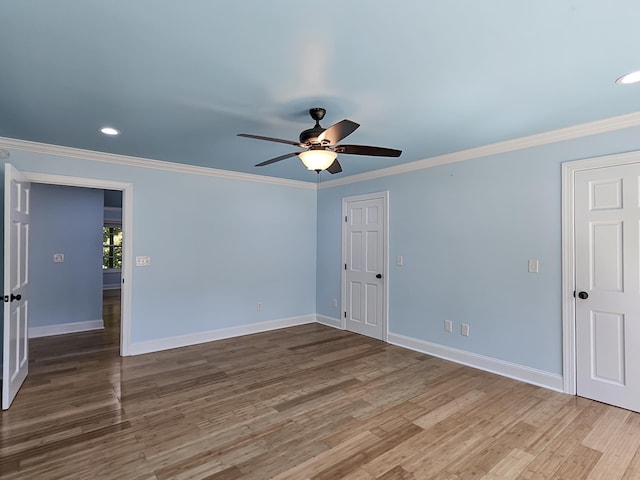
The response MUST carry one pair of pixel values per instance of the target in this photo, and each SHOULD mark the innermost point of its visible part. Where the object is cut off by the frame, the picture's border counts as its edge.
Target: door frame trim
(127, 241)
(384, 195)
(569, 170)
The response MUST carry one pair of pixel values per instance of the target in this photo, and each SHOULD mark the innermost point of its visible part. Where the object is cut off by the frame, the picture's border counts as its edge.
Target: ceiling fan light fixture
(318, 160)
(633, 77)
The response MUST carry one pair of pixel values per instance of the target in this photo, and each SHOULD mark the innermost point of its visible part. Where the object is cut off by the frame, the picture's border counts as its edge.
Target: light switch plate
(143, 261)
(58, 257)
(399, 260)
(533, 265)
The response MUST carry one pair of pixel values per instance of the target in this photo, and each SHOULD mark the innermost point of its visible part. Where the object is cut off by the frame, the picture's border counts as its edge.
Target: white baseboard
(150, 346)
(329, 321)
(61, 329)
(482, 362)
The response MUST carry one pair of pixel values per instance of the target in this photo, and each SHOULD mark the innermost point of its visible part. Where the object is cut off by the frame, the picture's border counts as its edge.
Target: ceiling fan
(321, 145)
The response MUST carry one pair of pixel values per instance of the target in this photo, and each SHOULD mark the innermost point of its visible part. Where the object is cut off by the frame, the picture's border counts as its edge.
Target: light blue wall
(217, 246)
(466, 231)
(65, 220)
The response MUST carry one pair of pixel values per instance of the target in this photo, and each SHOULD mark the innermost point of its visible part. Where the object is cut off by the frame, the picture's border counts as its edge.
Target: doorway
(601, 279)
(68, 260)
(125, 301)
(364, 252)
(127, 222)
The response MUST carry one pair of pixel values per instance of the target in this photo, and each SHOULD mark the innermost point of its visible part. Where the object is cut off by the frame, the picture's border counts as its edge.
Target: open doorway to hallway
(75, 261)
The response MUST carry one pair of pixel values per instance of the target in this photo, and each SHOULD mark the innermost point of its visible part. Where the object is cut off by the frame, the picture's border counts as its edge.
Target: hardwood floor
(304, 402)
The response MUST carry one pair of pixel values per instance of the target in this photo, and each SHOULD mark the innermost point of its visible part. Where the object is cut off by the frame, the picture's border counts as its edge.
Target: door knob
(13, 297)
(379, 275)
(583, 295)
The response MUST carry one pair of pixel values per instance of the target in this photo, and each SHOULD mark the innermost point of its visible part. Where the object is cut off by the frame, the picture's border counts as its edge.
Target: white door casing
(607, 244)
(127, 241)
(15, 363)
(365, 234)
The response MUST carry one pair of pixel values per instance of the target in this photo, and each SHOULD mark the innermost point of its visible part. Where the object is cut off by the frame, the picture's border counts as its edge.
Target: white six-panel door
(16, 284)
(365, 275)
(607, 246)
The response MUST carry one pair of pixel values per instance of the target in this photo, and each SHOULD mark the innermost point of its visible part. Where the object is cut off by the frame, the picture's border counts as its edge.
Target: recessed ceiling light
(633, 77)
(110, 131)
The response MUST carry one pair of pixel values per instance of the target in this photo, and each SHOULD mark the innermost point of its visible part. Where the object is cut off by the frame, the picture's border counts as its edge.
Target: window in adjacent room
(112, 247)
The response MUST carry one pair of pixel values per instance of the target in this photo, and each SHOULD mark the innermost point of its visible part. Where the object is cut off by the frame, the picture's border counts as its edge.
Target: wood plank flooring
(307, 402)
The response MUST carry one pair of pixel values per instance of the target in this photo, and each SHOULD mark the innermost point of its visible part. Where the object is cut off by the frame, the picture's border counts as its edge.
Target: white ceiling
(181, 79)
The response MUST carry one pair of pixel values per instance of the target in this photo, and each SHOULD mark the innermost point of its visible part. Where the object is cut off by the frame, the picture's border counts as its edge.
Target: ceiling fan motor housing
(310, 136)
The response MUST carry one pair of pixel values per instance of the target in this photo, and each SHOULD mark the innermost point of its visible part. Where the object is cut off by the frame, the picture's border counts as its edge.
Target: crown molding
(563, 134)
(113, 158)
(607, 125)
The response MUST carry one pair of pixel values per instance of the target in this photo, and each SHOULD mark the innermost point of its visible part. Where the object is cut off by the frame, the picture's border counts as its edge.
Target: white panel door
(364, 266)
(15, 360)
(607, 220)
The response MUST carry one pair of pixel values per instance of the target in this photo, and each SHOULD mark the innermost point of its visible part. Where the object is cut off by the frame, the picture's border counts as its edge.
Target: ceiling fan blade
(367, 150)
(270, 139)
(335, 167)
(276, 159)
(338, 131)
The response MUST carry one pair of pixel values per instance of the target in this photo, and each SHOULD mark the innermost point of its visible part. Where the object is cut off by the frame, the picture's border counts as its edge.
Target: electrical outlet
(464, 329)
(259, 306)
(448, 326)
(58, 257)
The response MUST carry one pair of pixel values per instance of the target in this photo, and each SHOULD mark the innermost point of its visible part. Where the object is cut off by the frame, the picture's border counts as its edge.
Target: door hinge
(5, 298)
(345, 218)
(345, 314)
(345, 266)
(574, 294)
